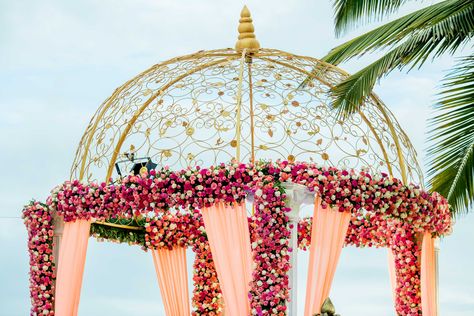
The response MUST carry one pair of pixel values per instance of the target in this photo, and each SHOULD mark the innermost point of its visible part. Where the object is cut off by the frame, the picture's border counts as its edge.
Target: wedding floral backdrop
(233, 105)
(384, 213)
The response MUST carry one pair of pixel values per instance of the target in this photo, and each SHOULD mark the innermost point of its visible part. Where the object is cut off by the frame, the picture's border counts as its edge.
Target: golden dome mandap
(246, 103)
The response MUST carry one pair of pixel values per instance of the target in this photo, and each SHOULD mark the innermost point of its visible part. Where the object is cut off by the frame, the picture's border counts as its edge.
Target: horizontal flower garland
(171, 230)
(374, 200)
(362, 193)
(346, 190)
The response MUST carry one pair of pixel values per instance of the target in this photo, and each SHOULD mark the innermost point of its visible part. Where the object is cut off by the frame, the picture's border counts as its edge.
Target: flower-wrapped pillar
(39, 223)
(271, 236)
(207, 296)
(407, 264)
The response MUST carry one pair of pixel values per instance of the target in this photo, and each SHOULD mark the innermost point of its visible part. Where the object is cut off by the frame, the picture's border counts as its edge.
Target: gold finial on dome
(246, 33)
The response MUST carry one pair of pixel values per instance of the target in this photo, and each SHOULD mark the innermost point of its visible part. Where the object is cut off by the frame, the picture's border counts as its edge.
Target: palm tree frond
(350, 94)
(451, 137)
(352, 13)
(450, 21)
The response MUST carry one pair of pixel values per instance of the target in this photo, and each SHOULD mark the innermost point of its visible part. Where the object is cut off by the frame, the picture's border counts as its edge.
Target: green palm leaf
(446, 35)
(451, 19)
(352, 13)
(451, 152)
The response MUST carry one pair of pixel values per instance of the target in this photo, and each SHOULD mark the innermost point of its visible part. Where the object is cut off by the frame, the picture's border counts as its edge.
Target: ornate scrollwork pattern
(184, 112)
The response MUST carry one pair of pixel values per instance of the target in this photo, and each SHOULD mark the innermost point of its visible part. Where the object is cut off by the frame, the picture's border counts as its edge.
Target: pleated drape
(328, 233)
(393, 273)
(228, 233)
(428, 276)
(72, 258)
(170, 266)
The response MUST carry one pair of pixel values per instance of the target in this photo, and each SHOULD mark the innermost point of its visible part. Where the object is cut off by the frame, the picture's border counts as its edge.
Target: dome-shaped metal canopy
(246, 103)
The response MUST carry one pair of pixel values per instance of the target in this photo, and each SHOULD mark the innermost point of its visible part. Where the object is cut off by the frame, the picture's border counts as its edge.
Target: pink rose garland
(38, 221)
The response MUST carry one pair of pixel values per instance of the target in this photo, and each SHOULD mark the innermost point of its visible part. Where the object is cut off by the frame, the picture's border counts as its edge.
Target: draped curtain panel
(72, 258)
(170, 266)
(229, 238)
(393, 274)
(428, 276)
(328, 233)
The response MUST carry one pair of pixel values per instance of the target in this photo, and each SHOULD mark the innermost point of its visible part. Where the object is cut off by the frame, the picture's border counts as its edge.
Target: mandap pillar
(296, 195)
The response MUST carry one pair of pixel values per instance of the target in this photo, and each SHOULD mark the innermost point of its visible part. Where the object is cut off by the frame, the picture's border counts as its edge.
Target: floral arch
(190, 110)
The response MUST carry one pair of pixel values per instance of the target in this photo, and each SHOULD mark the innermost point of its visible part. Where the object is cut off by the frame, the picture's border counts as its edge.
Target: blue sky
(60, 59)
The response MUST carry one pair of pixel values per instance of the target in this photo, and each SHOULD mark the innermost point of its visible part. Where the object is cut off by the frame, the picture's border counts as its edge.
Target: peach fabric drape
(229, 239)
(428, 276)
(72, 258)
(393, 274)
(328, 233)
(170, 266)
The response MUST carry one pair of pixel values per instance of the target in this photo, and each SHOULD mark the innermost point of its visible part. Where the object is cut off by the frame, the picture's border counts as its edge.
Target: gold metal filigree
(212, 106)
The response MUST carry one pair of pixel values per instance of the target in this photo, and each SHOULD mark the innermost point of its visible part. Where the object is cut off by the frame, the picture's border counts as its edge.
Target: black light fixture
(140, 165)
